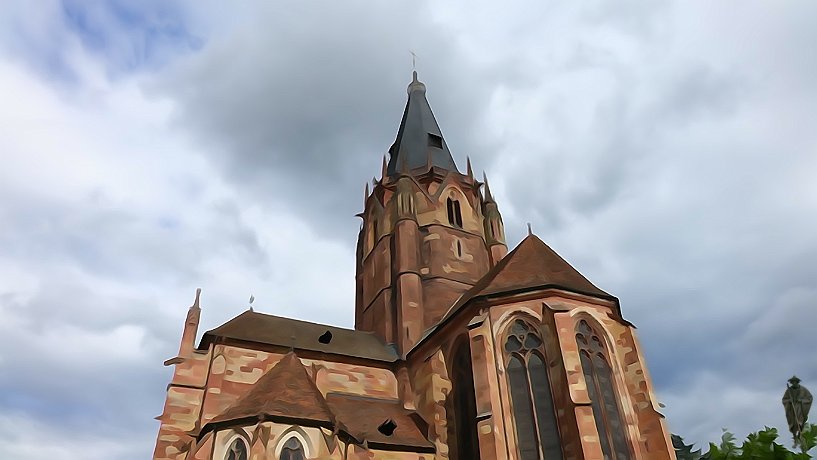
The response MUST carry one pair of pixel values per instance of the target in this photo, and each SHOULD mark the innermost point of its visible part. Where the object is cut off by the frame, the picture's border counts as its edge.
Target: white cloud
(24, 438)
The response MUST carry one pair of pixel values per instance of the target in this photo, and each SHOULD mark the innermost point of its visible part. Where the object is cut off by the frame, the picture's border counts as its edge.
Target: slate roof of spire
(420, 143)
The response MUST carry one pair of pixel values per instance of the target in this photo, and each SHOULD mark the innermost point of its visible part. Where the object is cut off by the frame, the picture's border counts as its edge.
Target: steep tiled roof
(362, 416)
(286, 391)
(533, 264)
(302, 335)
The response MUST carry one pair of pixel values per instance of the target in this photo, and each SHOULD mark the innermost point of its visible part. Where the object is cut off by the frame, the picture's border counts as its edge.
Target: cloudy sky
(667, 150)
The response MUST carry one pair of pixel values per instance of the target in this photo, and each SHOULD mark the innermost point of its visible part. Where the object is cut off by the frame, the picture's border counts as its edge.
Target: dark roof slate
(414, 152)
(302, 335)
(287, 391)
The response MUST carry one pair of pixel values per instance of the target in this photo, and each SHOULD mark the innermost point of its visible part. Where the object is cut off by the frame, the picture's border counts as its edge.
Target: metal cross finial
(413, 60)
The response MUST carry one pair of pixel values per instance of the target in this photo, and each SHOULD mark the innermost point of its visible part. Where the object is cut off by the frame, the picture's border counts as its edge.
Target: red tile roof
(533, 264)
(362, 416)
(287, 391)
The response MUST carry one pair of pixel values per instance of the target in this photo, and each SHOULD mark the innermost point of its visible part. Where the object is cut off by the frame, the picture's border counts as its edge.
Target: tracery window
(600, 388)
(537, 432)
(292, 450)
(237, 450)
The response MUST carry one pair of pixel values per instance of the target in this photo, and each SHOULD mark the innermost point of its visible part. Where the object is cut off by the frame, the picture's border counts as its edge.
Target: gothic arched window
(537, 432)
(454, 214)
(462, 423)
(237, 450)
(600, 388)
(292, 450)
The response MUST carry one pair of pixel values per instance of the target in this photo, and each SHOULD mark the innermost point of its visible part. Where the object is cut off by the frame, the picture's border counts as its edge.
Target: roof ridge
(270, 315)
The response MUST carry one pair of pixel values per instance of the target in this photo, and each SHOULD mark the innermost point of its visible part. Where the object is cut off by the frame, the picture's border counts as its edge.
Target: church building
(461, 349)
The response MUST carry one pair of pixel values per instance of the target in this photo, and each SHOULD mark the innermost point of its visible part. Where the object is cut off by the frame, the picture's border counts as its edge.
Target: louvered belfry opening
(601, 389)
(463, 443)
(454, 212)
(537, 431)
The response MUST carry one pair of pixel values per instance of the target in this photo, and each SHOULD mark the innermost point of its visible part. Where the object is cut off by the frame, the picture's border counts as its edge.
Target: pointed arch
(462, 404)
(293, 444)
(237, 450)
(235, 447)
(292, 449)
(532, 404)
(604, 400)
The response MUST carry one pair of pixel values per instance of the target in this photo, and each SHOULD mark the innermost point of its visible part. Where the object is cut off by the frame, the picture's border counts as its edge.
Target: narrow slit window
(454, 213)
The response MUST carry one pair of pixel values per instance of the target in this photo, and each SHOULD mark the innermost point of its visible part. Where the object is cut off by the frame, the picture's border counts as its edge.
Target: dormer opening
(435, 141)
(454, 213)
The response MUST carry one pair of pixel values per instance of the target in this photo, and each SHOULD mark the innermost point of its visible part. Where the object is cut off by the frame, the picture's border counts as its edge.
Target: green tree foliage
(761, 445)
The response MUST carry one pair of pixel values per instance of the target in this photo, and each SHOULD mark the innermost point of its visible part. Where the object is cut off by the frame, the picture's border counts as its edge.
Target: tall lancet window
(454, 214)
(463, 440)
(600, 388)
(537, 431)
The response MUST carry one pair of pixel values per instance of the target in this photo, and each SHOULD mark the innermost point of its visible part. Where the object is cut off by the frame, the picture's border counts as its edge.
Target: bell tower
(428, 232)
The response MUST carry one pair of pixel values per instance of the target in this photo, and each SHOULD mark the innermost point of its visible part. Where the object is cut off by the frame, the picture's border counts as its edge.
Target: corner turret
(494, 228)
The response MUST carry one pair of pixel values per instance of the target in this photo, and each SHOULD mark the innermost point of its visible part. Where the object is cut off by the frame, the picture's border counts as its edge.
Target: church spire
(419, 144)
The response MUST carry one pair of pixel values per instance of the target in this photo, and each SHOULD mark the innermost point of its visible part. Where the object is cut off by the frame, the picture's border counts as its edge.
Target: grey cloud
(304, 117)
(700, 92)
(102, 236)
